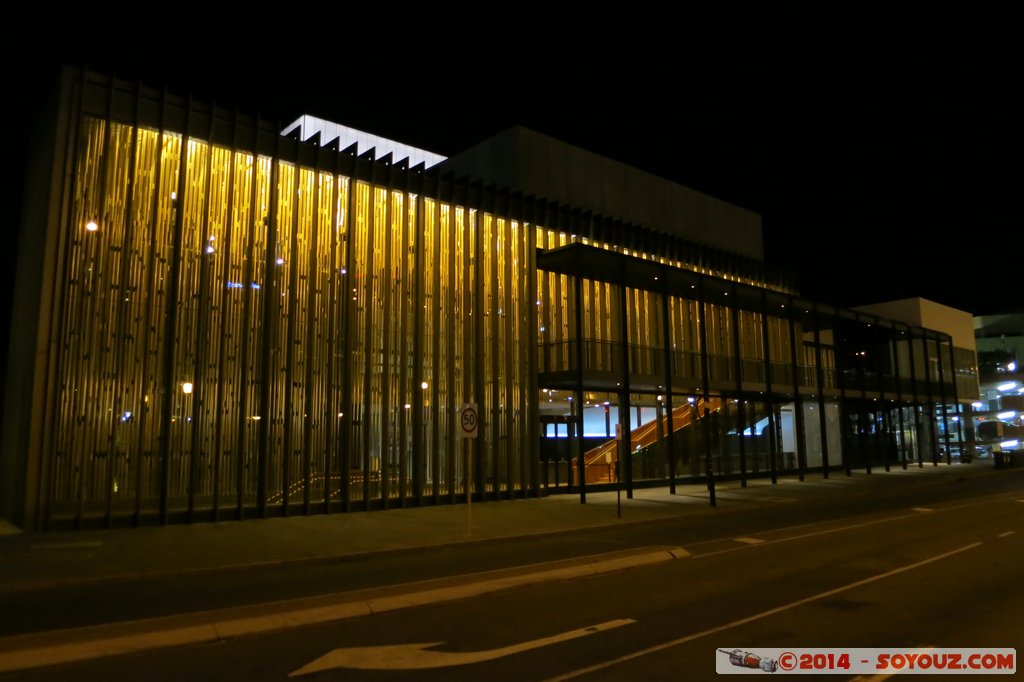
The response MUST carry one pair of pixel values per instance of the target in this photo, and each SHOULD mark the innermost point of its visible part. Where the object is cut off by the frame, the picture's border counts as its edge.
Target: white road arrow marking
(420, 656)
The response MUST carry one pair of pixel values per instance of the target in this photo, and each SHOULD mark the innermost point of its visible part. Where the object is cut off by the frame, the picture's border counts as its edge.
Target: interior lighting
(1011, 367)
(1006, 415)
(186, 388)
(1008, 386)
(424, 385)
(92, 226)
(1009, 444)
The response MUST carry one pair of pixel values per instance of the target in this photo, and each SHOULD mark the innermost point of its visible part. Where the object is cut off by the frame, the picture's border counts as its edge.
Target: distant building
(217, 321)
(999, 411)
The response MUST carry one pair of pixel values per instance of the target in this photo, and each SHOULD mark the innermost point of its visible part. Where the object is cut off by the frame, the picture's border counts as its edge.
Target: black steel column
(493, 434)
(577, 419)
(894, 353)
(942, 397)
(169, 384)
(150, 270)
(335, 282)
(913, 388)
(532, 348)
(312, 275)
(257, 221)
(458, 447)
(740, 402)
(798, 408)
(229, 241)
(483, 433)
(387, 284)
(769, 403)
(405, 287)
(202, 336)
(267, 331)
(365, 412)
(956, 401)
(418, 303)
(705, 372)
(886, 421)
(626, 456)
(666, 326)
(349, 341)
(123, 310)
(287, 431)
(931, 399)
(862, 430)
(820, 377)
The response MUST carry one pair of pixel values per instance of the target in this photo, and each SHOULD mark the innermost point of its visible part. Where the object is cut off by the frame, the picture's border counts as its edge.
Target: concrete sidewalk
(41, 560)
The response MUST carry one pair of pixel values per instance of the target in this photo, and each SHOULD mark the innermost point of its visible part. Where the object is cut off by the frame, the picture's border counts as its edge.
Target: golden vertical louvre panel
(287, 288)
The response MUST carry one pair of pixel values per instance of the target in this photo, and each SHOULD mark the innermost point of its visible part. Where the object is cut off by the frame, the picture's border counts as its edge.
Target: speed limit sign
(468, 420)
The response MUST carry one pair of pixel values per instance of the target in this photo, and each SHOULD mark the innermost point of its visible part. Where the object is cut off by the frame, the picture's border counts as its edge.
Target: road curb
(326, 559)
(337, 558)
(22, 652)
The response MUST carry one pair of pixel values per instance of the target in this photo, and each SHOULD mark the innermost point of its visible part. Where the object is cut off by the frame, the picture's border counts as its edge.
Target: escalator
(601, 462)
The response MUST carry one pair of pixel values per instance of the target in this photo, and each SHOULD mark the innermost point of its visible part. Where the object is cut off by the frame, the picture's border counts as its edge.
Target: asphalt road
(747, 512)
(935, 566)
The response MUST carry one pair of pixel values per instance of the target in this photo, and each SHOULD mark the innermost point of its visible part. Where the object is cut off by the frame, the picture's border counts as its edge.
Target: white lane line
(922, 509)
(812, 534)
(1006, 534)
(749, 541)
(763, 614)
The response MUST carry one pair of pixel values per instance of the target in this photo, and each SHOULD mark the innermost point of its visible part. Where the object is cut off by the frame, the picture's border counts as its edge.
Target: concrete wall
(28, 354)
(924, 313)
(522, 159)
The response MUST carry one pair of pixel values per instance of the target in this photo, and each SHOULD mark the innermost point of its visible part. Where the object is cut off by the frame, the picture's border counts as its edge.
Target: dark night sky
(882, 149)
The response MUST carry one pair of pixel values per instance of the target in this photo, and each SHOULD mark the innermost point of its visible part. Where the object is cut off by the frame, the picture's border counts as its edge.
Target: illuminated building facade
(214, 321)
(998, 415)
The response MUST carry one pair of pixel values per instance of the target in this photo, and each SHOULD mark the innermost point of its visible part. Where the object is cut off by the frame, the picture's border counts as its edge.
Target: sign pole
(468, 423)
